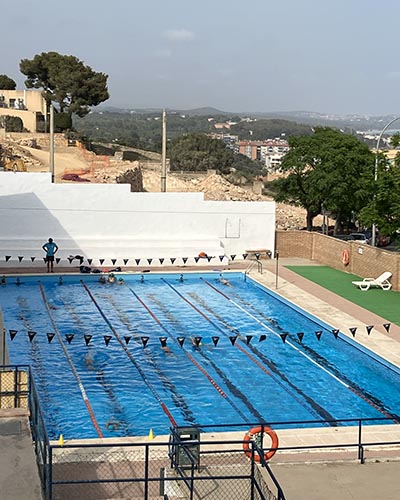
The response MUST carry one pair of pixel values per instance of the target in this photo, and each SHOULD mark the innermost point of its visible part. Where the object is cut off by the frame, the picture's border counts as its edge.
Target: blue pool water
(241, 371)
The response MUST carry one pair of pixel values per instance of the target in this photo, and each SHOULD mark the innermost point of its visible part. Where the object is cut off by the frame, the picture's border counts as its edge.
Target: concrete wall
(365, 261)
(105, 221)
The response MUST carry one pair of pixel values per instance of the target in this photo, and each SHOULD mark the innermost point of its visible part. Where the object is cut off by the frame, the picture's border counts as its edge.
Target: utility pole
(52, 142)
(164, 153)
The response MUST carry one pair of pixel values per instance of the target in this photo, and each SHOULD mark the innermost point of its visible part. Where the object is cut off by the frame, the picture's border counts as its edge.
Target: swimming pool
(159, 350)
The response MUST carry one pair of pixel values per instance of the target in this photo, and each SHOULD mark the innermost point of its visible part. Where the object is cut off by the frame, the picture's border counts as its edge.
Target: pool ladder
(252, 265)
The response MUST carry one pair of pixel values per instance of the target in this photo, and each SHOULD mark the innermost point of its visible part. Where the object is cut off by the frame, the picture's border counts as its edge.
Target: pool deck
(314, 474)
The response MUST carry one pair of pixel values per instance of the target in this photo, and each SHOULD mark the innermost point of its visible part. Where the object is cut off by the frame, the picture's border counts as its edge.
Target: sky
(326, 56)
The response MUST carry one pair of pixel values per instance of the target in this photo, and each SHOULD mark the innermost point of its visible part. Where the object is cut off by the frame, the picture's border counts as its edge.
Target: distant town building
(269, 152)
(222, 125)
(29, 105)
(231, 141)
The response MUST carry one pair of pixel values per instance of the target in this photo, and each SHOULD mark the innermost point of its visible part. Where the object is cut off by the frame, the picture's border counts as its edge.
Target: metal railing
(195, 468)
(252, 265)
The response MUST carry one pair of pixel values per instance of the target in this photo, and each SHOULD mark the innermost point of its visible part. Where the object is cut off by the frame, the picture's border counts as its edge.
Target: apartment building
(29, 105)
(269, 152)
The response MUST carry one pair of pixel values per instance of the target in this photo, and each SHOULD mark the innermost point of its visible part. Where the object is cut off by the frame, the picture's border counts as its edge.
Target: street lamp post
(373, 239)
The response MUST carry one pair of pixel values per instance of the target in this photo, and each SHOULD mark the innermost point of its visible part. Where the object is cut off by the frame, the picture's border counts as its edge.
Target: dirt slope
(72, 160)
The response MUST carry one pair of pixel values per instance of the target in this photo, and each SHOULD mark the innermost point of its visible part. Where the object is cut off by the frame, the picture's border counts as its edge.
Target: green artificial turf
(384, 303)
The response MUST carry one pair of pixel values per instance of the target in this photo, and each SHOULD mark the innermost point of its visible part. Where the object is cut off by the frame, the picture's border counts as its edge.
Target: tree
(198, 152)
(329, 170)
(7, 83)
(11, 123)
(65, 80)
(383, 208)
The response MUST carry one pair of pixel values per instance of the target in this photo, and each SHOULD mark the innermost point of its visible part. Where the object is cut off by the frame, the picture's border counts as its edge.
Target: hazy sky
(336, 56)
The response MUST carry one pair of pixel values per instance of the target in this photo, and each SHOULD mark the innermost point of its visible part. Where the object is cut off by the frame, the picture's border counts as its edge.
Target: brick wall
(365, 261)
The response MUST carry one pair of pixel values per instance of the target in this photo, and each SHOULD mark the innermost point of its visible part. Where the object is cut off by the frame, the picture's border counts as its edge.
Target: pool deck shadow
(317, 475)
(18, 470)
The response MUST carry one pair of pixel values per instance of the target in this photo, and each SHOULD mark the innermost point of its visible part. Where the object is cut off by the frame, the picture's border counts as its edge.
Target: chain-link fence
(14, 387)
(181, 468)
(178, 469)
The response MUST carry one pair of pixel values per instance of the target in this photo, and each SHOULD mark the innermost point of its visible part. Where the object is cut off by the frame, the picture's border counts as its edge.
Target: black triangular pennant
(126, 261)
(149, 261)
(300, 336)
(262, 338)
(283, 336)
(137, 261)
(257, 255)
(87, 338)
(173, 259)
(197, 259)
(8, 257)
(33, 259)
(70, 259)
(107, 339)
(221, 257)
(197, 341)
(127, 339)
(101, 261)
(50, 337)
(69, 337)
(245, 255)
(209, 258)
(144, 340)
(248, 339)
(163, 341)
(233, 339)
(386, 326)
(113, 261)
(13, 333)
(58, 260)
(185, 259)
(31, 335)
(233, 257)
(161, 260)
(20, 258)
(369, 328)
(215, 340)
(89, 261)
(181, 340)
(318, 335)
(353, 331)
(335, 332)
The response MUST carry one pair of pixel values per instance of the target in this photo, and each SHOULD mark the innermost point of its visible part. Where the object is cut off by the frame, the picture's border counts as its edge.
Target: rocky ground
(79, 165)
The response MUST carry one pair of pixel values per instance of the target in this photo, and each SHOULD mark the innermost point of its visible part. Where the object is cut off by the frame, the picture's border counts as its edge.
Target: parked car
(359, 237)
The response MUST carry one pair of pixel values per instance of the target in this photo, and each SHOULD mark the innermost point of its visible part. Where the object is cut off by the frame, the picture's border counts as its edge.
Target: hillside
(82, 166)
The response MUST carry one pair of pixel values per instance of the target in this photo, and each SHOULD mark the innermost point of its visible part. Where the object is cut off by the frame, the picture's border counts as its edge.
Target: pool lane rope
(234, 390)
(191, 358)
(315, 408)
(129, 354)
(177, 397)
(328, 372)
(71, 364)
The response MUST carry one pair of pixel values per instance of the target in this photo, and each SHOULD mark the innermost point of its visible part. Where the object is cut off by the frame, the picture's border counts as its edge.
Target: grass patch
(383, 303)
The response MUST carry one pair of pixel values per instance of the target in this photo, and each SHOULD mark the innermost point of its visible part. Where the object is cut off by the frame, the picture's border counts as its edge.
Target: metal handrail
(253, 265)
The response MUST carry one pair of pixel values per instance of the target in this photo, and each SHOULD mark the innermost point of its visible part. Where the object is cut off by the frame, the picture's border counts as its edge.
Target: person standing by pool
(51, 249)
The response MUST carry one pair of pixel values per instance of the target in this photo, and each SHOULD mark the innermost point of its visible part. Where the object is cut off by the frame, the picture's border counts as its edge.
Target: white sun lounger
(381, 281)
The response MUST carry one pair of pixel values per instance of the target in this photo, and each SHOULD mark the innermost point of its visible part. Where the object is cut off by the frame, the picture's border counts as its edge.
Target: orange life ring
(258, 430)
(345, 257)
(202, 255)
